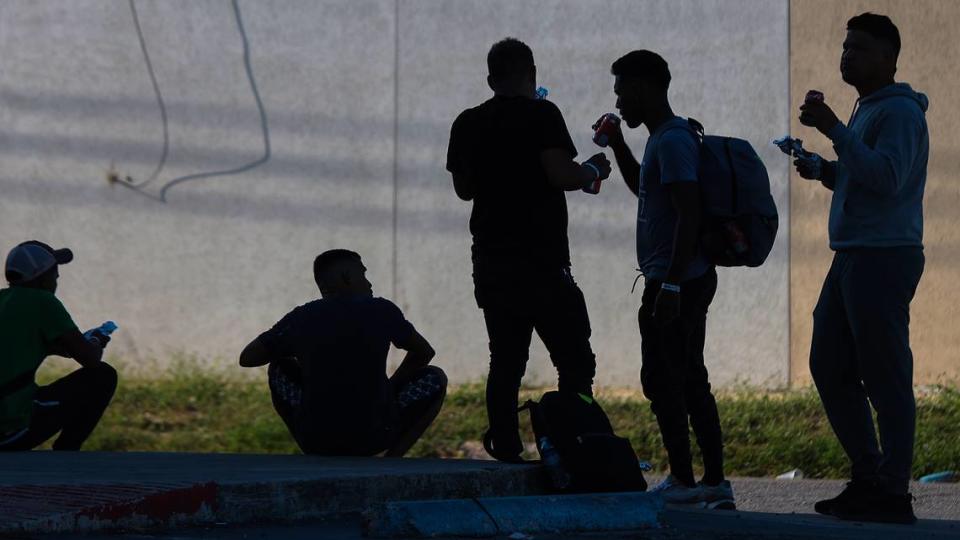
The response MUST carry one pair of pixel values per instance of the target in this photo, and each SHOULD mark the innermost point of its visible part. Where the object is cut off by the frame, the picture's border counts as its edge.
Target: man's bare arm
(565, 173)
(72, 344)
(419, 354)
(255, 354)
(629, 168)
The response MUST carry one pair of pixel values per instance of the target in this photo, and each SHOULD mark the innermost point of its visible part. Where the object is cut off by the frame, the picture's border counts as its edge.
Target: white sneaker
(718, 497)
(674, 491)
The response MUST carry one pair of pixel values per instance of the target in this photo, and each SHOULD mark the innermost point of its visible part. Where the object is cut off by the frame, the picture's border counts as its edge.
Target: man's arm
(72, 344)
(255, 354)
(884, 169)
(629, 168)
(458, 161)
(828, 175)
(685, 197)
(628, 165)
(566, 174)
(419, 354)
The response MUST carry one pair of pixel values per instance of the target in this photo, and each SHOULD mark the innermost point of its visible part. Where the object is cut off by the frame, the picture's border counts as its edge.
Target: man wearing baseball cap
(33, 325)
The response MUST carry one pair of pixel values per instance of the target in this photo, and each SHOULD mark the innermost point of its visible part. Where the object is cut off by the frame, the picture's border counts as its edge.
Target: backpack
(578, 448)
(740, 217)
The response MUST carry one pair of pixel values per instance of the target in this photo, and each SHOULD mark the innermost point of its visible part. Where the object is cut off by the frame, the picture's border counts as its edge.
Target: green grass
(205, 410)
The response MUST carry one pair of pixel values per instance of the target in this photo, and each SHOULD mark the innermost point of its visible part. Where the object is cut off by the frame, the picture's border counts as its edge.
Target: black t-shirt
(342, 346)
(517, 214)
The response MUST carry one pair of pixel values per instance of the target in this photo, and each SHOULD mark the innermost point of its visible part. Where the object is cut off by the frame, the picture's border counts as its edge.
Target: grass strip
(190, 409)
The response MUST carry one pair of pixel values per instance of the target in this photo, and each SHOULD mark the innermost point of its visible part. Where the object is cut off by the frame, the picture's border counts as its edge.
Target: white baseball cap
(31, 259)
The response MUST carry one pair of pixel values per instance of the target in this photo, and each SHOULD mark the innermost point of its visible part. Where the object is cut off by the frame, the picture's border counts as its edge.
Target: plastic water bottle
(106, 329)
(559, 477)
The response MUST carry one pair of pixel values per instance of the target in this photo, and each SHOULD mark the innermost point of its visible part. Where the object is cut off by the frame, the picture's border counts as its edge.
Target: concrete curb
(235, 490)
(486, 517)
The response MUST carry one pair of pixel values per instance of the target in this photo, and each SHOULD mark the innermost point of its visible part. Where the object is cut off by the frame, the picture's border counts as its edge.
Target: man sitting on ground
(33, 325)
(327, 371)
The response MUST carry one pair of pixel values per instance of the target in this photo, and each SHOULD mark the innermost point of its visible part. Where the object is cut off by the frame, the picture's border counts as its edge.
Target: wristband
(670, 287)
(596, 170)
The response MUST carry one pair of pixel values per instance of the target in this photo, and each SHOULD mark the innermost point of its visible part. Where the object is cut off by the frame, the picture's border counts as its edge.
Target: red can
(594, 187)
(813, 96)
(605, 128)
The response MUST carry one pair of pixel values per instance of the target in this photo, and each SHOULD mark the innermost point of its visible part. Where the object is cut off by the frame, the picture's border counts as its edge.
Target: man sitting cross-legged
(327, 371)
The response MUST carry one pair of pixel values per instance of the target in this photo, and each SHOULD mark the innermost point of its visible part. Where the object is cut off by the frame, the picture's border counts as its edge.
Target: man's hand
(102, 339)
(615, 133)
(818, 115)
(667, 307)
(810, 168)
(601, 163)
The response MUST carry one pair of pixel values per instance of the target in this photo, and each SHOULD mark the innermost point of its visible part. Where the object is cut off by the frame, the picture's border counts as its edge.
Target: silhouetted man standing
(861, 341)
(513, 157)
(679, 281)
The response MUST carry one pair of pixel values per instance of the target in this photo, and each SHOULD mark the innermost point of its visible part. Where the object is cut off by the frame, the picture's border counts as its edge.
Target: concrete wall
(928, 53)
(359, 96)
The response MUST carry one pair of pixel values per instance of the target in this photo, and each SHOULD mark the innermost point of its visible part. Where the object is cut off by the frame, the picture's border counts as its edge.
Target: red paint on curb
(159, 507)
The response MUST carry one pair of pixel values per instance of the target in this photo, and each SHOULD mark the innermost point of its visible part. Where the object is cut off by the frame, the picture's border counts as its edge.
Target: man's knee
(436, 376)
(508, 365)
(104, 377)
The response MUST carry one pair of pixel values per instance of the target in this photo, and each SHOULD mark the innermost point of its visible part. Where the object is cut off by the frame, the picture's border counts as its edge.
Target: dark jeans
(675, 379)
(72, 406)
(516, 300)
(416, 403)
(861, 351)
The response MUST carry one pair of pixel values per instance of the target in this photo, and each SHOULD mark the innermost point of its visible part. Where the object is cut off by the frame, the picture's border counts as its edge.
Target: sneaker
(878, 506)
(674, 491)
(852, 491)
(718, 497)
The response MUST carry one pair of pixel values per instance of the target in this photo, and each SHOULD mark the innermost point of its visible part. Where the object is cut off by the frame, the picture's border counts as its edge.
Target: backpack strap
(697, 128)
(734, 183)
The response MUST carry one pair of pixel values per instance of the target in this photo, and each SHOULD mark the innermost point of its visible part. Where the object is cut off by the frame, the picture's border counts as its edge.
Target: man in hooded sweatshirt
(860, 354)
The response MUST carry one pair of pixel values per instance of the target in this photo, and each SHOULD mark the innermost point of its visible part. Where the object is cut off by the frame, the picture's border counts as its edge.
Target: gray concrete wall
(359, 96)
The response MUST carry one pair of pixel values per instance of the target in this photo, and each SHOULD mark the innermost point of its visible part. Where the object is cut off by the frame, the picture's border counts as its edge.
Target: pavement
(45, 491)
(156, 495)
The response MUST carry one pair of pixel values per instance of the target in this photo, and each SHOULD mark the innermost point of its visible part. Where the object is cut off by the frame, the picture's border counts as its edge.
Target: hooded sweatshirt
(881, 171)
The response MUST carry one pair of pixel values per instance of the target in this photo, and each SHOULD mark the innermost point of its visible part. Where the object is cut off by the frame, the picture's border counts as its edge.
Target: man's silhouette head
(870, 50)
(35, 265)
(511, 68)
(642, 79)
(340, 272)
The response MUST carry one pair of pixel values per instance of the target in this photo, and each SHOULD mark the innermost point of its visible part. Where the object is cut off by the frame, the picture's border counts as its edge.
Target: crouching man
(327, 368)
(33, 325)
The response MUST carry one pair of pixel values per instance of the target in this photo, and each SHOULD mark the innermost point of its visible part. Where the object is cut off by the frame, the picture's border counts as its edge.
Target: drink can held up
(814, 96)
(605, 128)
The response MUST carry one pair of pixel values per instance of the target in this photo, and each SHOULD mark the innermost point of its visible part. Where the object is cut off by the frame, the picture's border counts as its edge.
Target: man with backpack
(328, 361)
(513, 157)
(860, 354)
(679, 280)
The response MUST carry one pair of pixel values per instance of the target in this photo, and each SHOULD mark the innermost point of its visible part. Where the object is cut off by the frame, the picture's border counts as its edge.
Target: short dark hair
(878, 26)
(645, 65)
(509, 58)
(327, 259)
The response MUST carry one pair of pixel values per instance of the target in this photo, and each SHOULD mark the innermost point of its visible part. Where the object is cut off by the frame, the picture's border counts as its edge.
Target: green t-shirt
(30, 319)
